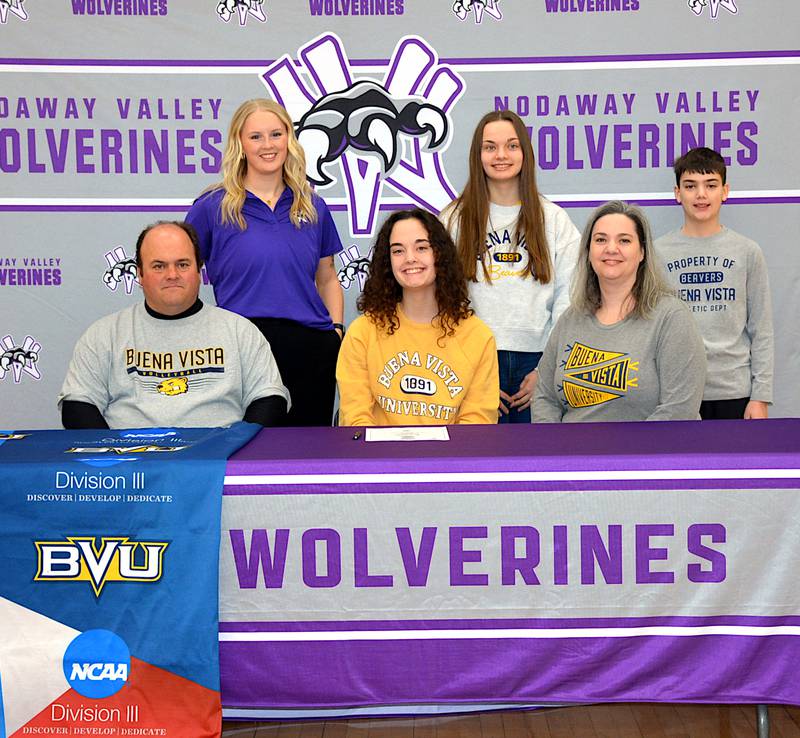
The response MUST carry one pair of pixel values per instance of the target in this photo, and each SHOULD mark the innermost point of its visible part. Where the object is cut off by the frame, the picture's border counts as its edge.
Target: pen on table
(356, 435)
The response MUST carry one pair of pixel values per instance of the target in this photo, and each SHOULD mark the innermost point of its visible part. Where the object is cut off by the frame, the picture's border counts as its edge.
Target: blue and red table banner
(108, 601)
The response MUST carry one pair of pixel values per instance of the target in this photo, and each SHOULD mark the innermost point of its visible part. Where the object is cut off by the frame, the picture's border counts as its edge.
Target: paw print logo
(374, 138)
(462, 8)
(19, 360)
(698, 6)
(354, 268)
(226, 9)
(13, 7)
(122, 270)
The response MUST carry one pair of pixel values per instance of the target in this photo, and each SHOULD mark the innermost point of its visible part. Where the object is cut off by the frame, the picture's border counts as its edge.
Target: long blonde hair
(234, 167)
(649, 286)
(471, 210)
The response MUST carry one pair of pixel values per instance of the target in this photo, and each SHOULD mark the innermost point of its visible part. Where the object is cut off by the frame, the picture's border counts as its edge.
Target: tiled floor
(590, 721)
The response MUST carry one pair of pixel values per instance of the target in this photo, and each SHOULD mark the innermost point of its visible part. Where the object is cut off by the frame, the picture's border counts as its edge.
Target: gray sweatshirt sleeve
(89, 369)
(759, 328)
(681, 366)
(566, 246)
(547, 407)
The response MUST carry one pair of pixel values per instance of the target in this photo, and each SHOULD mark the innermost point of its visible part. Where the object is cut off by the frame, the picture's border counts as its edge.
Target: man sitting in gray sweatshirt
(171, 360)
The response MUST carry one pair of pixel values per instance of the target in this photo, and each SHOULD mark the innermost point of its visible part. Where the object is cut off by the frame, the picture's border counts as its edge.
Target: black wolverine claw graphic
(226, 7)
(350, 273)
(18, 356)
(114, 275)
(464, 6)
(366, 118)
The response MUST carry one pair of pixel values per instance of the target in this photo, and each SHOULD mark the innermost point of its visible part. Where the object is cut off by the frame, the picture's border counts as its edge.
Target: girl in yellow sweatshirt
(418, 355)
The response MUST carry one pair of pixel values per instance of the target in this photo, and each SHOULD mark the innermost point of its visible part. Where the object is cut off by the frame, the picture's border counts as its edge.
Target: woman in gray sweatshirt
(626, 348)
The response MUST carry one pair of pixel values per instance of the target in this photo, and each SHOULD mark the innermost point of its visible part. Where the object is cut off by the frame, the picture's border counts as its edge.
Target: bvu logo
(115, 559)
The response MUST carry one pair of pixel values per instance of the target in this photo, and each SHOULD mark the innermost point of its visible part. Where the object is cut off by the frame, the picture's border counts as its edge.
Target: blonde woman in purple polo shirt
(268, 243)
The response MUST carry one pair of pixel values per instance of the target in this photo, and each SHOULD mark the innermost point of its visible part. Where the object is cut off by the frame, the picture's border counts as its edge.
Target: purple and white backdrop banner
(113, 115)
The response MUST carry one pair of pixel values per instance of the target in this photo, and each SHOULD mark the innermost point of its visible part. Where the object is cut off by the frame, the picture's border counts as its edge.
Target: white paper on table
(410, 433)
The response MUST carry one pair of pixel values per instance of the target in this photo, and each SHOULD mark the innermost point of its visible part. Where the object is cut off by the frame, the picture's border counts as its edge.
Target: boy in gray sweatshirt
(722, 277)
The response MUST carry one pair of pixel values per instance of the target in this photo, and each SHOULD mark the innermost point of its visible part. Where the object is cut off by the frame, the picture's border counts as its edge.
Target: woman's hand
(522, 399)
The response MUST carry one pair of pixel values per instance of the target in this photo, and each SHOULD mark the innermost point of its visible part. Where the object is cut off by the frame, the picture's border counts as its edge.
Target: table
(541, 564)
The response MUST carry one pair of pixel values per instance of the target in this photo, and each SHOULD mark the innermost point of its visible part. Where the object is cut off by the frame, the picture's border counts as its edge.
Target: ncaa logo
(97, 664)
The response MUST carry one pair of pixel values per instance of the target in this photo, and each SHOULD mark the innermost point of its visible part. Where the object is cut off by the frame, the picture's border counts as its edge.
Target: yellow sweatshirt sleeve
(356, 402)
(480, 405)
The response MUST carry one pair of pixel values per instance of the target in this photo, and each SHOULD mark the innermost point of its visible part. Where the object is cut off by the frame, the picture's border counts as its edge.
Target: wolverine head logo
(366, 118)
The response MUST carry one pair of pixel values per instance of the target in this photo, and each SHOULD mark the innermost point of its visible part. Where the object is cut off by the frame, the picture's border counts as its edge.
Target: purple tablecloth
(600, 562)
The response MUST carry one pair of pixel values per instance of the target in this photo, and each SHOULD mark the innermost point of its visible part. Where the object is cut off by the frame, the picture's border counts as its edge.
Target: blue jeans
(514, 366)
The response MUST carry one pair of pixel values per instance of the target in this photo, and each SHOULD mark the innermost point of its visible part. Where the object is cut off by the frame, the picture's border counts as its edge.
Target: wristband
(340, 327)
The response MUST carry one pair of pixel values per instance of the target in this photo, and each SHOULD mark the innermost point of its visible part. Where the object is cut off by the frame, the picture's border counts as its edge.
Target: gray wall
(84, 96)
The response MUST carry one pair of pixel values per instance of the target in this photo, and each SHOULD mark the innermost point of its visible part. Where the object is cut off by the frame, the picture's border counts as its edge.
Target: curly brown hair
(382, 292)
